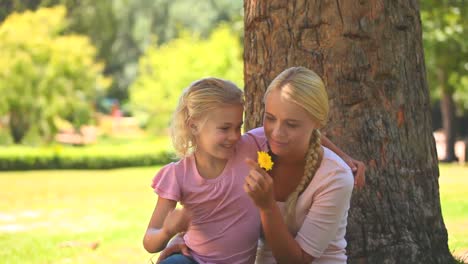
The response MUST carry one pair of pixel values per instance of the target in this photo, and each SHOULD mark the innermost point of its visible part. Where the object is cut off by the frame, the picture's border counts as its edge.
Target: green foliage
(122, 30)
(44, 74)
(445, 27)
(166, 70)
(40, 160)
(104, 156)
(137, 24)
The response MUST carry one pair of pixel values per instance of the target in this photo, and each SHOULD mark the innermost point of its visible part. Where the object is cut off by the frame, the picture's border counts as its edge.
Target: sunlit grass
(453, 183)
(57, 216)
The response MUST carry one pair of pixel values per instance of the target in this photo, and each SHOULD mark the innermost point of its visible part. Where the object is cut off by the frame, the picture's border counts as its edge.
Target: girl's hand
(172, 249)
(176, 221)
(259, 186)
(359, 171)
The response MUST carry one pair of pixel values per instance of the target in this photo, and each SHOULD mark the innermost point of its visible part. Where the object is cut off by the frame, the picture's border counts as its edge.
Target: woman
(304, 199)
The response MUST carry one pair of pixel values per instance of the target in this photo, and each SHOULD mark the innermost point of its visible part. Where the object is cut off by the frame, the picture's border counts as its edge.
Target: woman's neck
(208, 166)
(290, 160)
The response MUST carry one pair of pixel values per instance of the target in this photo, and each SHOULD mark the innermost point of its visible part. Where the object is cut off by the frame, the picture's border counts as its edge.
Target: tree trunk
(447, 107)
(370, 55)
(19, 125)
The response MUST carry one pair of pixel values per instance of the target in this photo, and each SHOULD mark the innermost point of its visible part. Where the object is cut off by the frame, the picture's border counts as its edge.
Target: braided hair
(306, 89)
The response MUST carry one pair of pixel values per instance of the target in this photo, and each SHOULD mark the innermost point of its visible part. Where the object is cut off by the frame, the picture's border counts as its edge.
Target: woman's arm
(164, 224)
(358, 167)
(320, 225)
(283, 245)
(259, 186)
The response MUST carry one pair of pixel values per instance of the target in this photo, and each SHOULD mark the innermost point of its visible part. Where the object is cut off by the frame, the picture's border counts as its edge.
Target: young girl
(222, 224)
(207, 181)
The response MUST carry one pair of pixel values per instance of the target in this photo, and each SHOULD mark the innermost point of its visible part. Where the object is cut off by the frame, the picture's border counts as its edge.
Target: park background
(86, 93)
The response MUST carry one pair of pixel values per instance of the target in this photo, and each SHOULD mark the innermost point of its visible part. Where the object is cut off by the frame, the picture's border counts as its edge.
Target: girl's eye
(292, 125)
(224, 128)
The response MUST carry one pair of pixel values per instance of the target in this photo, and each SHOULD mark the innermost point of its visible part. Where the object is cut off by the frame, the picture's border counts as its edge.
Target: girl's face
(217, 134)
(288, 127)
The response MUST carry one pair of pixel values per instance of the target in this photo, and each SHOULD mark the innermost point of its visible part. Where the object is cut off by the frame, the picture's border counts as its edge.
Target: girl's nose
(234, 135)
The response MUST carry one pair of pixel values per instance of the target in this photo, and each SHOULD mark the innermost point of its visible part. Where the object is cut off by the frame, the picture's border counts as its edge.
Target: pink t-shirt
(321, 210)
(225, 224)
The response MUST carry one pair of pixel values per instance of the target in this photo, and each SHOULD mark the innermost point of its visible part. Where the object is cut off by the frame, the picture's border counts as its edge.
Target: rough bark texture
(370, 55)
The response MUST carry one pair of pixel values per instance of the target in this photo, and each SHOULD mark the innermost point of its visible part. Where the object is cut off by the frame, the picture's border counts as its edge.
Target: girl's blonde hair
(195, 103)
(305, 88)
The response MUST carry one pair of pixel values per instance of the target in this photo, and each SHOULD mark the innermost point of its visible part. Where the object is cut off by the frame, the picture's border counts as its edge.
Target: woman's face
(288, 127)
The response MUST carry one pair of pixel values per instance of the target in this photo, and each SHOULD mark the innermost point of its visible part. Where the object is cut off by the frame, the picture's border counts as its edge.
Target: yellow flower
(264, 160)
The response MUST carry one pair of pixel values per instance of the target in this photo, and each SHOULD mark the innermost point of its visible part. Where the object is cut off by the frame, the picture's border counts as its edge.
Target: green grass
(453, 183)
(42, 212)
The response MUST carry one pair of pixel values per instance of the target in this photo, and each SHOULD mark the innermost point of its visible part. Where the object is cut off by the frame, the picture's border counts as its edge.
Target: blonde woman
(304, 200)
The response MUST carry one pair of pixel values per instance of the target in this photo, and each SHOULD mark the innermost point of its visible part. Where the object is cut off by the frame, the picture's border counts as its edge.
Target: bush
(47, 160)
(27, 158)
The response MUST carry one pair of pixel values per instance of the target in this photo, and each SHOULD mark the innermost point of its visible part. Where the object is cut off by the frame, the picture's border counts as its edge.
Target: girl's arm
(358, 167)
(176, 245)
(164, 224)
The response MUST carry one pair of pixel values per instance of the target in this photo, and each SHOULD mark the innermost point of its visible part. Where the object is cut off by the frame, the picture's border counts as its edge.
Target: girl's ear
(193, 126)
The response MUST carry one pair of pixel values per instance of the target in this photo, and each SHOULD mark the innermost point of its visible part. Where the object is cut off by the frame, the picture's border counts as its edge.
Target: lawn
(59, 216)
(100, 216)
(453, 195)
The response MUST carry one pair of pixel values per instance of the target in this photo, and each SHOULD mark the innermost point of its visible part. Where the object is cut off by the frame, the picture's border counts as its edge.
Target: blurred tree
(166, 70)
(445, 26)
(122, 30)
(10, 6)
(45, 74)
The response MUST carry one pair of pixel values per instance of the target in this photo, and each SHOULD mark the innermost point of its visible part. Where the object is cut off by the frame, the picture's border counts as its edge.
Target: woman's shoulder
(337, 166)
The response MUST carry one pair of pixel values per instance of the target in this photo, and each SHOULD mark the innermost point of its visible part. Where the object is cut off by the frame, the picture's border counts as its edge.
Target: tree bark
(370, 55)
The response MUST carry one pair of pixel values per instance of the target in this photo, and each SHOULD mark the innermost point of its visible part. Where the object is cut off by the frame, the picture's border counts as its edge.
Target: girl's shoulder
(168, 181)
(176, 168)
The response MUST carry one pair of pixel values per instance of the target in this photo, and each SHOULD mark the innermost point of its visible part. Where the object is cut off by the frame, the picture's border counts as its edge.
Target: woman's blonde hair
(305, 88)
(195, 103)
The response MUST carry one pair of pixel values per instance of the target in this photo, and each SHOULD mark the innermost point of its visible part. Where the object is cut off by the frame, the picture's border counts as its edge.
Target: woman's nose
(278, 131)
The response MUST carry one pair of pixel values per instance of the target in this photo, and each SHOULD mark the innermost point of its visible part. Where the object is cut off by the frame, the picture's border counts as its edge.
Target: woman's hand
(359, 171)
(259, 186)
(176, 221)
